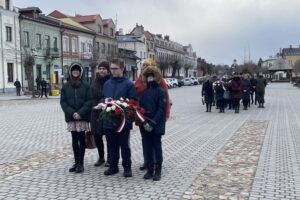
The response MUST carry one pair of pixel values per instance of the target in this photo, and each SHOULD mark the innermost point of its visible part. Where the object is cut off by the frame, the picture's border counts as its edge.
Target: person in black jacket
(116, 87)
(102, 76)
(208, 93)
(154, 101)
(75, 101)
(18, 87)
(44, 88)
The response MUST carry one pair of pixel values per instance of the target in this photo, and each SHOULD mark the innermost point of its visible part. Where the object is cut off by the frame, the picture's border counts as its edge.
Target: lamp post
(33, 54)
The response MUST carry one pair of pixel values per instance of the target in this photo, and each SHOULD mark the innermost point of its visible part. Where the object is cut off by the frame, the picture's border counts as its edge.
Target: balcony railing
(53, 52)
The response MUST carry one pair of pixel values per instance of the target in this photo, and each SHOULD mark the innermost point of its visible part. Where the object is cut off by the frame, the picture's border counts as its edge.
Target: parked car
(180, 83)
(174, 82)
(188, 81)
(168, 82)
(195, 81)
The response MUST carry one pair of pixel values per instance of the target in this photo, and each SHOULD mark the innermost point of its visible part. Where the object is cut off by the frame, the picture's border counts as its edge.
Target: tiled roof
(106, 21)
(58, 15)
(73, 23)
(85, 19)
(290, 51)
(148, 35)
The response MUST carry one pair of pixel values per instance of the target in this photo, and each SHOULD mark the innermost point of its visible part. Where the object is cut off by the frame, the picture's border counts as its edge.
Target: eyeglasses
(115, 68)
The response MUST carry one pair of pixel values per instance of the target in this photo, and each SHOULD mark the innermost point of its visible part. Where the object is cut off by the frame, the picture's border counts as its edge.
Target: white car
(174, 82)
(188, 81)
(195, 81)
(168, 82)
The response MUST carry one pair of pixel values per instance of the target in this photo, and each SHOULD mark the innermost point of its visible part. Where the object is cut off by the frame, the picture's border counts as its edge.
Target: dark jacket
(116, 88)
(17, 84)
(154, 101)
(236, 88)
(261, 84)
(97, 90)
(44, 84)
(246, 88)
(253, 82)
(208, 92)
(76, 97)
(219, 88)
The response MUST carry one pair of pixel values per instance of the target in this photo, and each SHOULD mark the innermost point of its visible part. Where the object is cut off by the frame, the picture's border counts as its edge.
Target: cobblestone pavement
(34, 130)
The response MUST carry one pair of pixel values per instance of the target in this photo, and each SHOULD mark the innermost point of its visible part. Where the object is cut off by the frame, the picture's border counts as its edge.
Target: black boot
(206, 107)
(262, 105)
(111, 170)
(150, 170)
(127, 171)
(73, 168)
(144, 166)
(99, 162)
(157, 172)
(80, 168)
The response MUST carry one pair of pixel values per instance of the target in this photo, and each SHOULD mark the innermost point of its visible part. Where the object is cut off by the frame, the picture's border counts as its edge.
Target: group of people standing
(229, 92)
(149, 91)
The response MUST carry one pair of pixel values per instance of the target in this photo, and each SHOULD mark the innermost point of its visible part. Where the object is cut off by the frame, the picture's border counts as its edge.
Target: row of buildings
(37, 45)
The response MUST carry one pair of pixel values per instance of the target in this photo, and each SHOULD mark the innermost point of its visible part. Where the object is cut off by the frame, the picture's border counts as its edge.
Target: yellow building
(291, 55)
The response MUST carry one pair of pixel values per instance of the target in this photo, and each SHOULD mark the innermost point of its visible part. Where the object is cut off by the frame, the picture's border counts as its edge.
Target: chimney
(167, 37)
(121, 31)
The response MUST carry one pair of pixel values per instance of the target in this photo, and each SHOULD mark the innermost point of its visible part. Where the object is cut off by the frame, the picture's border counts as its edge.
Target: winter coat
(17, 84)
(76, 98)
(219, 89)
(96, 90)
(236, 88)
(116, 88)
(246, 88)
(261, 84)
(154, 101)
(208, 92)
(140, 87)
(253, 82)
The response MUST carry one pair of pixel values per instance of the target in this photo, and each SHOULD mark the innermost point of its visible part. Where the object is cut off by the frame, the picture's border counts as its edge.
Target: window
(38, 42)
(8, 34)
(55, 44)
(82, 47)
(47, 41)
(10, 72)
(103, 48)
(99, 28)
(111, 32)
(98, 46)
(74, 45)
(108, 48)
(26, 39)
(65, 44)
(7, 4)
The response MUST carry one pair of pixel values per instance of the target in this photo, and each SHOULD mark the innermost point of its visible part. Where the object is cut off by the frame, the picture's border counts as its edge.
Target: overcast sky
(218, 30)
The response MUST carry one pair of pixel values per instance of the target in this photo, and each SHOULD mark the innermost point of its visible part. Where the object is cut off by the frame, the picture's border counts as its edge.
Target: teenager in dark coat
(246, 91)
(220, 90)
(154, 101)
(116, 87)
(260, 90)
(236, 92)
(75, 101)
(102, 75)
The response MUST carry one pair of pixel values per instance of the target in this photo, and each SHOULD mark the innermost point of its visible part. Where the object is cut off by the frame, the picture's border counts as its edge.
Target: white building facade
(10, 58)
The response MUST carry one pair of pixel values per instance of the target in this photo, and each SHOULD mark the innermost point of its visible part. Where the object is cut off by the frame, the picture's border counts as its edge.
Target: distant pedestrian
(260, 90)
(253, 82)
(76, 103)
(220, 91)
(102, 75)
(208, 93)
(140, 86)
(154, 101)
(246, 91)
(38, 82)
(236, 89)
(44, 88)
(18, 87)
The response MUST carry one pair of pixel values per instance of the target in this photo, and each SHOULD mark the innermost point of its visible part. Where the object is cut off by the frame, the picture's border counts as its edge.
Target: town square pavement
(35, 151)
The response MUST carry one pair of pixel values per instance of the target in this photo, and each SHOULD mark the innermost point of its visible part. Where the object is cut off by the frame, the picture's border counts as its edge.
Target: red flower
(118, 111)
(131, 106)
(131, 101)
(130, 113)
(142, 110)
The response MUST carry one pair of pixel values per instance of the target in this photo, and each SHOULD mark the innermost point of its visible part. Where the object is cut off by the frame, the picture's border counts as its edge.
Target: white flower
(127, 100)
(125, 104)
(121, 99)
(113, 107)
(118, 102)
(108, 109)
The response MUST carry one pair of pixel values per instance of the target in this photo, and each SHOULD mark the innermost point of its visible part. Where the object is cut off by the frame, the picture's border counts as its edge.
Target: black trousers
(260, 97)
(246, 103)
(100, 146)
(236, 103)
(78, 144)
(117, 141)
(153, 147)
(44, 91)
(221, 104)
(18, 91)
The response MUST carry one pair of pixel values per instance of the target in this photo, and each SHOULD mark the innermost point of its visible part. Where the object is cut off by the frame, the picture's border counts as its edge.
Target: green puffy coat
(76, 99)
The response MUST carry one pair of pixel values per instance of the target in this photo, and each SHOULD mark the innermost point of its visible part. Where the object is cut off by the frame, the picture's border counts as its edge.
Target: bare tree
(29, 62)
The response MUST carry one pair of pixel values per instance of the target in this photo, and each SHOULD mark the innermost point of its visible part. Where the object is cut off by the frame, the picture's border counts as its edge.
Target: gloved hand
(147, 126)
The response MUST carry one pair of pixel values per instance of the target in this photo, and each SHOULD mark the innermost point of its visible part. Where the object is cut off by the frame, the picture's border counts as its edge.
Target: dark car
(180, 83)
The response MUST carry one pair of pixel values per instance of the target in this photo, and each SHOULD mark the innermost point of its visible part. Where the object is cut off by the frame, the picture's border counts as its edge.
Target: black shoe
(127, 173)
(79, 168)
(111, 171)
(157, 173)
(143, 167)
(150, 172)
(99, 162)
(73, 168)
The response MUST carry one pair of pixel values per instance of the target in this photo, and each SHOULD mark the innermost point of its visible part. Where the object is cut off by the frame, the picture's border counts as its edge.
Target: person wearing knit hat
(75, 101)
(102, 75)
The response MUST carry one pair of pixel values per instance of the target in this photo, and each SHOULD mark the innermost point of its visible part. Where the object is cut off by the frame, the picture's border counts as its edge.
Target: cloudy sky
(219, 30)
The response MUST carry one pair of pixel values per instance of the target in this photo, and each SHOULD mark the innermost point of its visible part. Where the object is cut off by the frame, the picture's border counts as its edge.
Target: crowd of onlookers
(229, 92)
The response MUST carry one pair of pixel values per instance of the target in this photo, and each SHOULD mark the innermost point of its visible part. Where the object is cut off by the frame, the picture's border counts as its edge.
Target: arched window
(7, 4)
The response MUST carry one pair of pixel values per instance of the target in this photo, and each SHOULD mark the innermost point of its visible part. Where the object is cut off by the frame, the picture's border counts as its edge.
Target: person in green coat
(76, 103)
